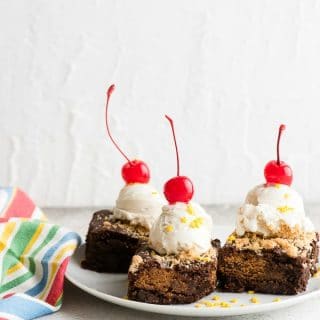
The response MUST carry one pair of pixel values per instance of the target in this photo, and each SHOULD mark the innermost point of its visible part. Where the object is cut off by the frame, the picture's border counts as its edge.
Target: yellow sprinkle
(209, 304)
(276, 299)
(168, 228)
(254, 300)
(277, 185)
(183, 219)
(216, 298)
(196, 223)
(198, 305)
(154, 192)
(284, 209)
(317, 274)
(231, 238)
(224, 304)
(242, 305)
(205, 259)
(233, 300)
(190, 210)
(251, 292)
(286, 195)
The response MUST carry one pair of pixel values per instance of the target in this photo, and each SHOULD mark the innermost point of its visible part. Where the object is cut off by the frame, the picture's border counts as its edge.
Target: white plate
(113, 288)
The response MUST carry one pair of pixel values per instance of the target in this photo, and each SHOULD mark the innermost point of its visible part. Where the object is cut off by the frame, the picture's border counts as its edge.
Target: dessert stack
(274, 248)
(114, 235)
(179, 263)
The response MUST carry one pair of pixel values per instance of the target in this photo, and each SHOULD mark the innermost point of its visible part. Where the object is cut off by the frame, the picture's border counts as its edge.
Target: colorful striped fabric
(34, 255)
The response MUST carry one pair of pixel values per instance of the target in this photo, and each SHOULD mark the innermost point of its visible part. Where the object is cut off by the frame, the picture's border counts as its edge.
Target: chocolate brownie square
(110, 244)
(268, 265)
(171, 279)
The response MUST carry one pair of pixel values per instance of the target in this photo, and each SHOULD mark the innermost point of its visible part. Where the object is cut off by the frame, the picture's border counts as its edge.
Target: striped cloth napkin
(34, 255)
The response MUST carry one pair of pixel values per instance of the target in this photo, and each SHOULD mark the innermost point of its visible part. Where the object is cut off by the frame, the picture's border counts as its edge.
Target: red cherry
(277, 171)
(135, 171)
(179, 188)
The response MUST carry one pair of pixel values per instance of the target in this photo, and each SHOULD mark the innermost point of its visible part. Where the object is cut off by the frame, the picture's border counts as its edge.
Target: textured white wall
(228, 72)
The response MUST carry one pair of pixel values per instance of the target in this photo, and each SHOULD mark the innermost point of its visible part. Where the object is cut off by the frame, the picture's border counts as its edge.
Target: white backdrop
(228, 72)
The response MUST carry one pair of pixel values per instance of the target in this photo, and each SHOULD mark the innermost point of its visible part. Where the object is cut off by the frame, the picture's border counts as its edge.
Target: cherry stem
(281, 128)
(175, 143)
(109, 93)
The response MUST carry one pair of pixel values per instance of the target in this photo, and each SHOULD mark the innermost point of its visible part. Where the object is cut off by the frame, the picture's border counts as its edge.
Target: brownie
(274, 265)
(110, 244)
(171, 279)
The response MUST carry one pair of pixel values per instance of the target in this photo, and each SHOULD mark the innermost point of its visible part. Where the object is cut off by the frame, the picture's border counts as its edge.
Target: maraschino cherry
(134, 171)
(277, 171)
(179, 188)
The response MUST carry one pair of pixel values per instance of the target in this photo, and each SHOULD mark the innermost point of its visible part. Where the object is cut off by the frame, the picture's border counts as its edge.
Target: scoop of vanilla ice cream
(139, 203)
(270, 209)
(182, 227)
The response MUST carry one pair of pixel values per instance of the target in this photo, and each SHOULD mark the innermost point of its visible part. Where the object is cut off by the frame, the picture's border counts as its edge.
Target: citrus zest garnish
(224, 304)
(231, 238)
(190, 210)
(168, 228)
(196, 223)
(254, 300)
(317, 274)
(183, 219)
(284, 209)
(209, 304)
(205, 259)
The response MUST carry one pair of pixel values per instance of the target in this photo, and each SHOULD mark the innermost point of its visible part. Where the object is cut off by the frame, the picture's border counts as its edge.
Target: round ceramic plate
(113, 288)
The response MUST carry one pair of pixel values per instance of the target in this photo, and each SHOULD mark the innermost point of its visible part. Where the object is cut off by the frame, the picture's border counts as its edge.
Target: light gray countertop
(80, 305)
